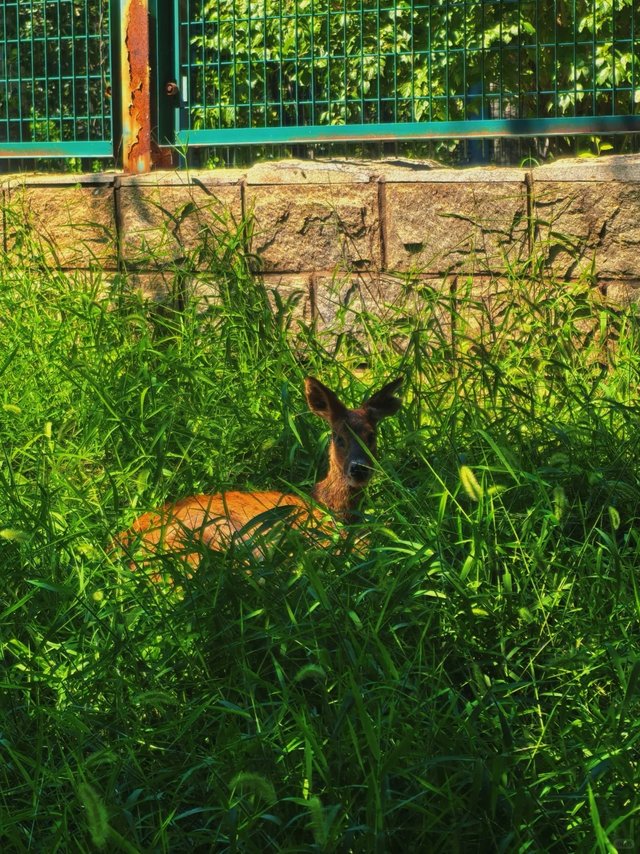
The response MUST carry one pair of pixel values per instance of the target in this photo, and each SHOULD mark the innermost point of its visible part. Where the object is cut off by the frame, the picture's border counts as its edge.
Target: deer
(188, 527)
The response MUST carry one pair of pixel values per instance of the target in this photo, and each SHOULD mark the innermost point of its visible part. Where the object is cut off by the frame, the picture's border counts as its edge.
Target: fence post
(135, 82)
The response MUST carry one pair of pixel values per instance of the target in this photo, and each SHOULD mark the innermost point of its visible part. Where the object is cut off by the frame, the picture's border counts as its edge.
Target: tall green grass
(469, 682)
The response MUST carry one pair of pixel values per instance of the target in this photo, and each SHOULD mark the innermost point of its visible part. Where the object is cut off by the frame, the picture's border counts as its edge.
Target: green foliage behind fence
(55, 77)
(251, 64)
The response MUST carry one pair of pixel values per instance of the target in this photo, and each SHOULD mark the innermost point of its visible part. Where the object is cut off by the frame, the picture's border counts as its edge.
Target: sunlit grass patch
(467, 681)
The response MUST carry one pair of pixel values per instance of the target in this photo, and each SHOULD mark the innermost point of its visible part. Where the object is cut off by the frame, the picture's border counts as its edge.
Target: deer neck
(335, 493)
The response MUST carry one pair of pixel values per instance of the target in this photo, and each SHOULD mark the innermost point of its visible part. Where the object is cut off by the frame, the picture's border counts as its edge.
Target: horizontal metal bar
(584, 125)
(56, 149)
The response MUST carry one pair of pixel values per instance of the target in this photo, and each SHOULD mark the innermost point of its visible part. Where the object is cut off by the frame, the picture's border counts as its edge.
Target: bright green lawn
(471, 684)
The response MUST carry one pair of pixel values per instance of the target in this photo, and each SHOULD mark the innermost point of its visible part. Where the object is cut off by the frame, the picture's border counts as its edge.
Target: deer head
(353, 439)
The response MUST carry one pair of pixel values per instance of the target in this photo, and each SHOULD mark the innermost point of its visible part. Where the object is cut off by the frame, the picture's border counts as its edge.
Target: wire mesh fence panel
(281, 71)
(55, 78)
(269, 70)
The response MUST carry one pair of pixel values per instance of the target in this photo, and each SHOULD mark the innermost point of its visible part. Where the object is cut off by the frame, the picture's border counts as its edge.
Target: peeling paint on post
(136, 87)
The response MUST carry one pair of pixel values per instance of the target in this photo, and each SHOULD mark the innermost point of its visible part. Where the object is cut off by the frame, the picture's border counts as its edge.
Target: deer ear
(322, 401)
(383, 403)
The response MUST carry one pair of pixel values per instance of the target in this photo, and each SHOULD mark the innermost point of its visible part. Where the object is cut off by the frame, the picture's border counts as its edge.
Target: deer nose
(359, 471)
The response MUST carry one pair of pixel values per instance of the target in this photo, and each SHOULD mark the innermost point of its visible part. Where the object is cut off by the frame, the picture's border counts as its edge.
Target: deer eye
(338, 440)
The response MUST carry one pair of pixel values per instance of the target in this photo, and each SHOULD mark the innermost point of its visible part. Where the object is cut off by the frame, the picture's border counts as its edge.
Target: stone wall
(339, 231)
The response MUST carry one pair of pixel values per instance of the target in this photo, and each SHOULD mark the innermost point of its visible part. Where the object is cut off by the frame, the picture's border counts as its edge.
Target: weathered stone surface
(580, 225)
(62, 222)
(402, 169)
(617, 167)
(351, 304)
(166, 287)
(493, 311)
(155, 287)
(319, 236)
(162, 286)
(437, 227)
(429, 172)
(482, 304)
(622, 295)
(165, 216)
(339, 171)
(306, 172)
(293, 292)
(340, 300)
(301, 228)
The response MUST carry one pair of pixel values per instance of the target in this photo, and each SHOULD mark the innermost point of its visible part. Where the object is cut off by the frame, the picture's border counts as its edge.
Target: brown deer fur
(217, 521)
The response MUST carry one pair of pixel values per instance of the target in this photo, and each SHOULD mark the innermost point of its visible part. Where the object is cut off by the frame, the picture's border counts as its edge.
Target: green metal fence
(229, 72)
(55, 73)
(269, 71)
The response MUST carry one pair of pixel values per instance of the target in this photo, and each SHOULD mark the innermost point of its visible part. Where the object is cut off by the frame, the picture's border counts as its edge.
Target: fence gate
(55, 78)
(270, 71)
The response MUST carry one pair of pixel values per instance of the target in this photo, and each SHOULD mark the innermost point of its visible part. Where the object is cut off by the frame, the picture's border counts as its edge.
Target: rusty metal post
(135, 80)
